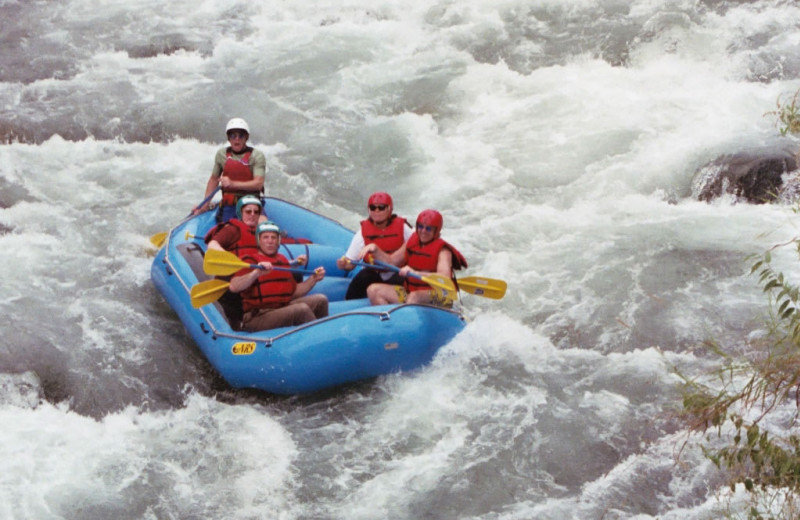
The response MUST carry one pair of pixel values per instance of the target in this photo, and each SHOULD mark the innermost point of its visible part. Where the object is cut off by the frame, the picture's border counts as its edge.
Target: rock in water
(755, 176)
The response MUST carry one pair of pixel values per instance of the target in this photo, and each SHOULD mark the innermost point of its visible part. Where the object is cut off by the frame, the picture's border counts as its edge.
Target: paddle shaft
(436, 281)
(159, 238)
(382, 266)
(277, 268)
(223, 263)
(477, 285)
(210, 291)
(205, 200)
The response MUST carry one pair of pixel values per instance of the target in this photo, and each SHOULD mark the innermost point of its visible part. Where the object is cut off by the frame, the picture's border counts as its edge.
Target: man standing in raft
(271, 298)
(238, 169)
(425, 253)
(382, 228)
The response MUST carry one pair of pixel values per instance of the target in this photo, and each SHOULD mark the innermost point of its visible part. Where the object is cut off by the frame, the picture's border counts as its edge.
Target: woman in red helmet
(423, 254)
(382, 228)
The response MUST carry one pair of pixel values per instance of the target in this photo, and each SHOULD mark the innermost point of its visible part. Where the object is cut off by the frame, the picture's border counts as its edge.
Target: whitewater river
(558, 138)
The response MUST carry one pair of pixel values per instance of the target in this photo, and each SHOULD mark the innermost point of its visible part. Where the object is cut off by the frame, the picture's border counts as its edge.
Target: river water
(558, 138)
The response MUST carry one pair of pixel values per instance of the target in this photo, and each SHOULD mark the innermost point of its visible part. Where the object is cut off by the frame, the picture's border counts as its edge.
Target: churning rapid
(559, 138)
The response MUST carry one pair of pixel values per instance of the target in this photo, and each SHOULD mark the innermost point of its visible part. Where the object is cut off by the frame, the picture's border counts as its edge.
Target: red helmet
(380, 197)
(431, 217)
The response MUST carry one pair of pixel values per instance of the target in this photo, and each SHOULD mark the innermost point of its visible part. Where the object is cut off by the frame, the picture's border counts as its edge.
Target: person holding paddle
(238, 235)
(382, 228)
(238, 169)
(271, 297)
(424, 254)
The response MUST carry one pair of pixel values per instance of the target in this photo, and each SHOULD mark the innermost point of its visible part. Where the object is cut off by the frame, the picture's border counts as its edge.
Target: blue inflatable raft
(357, 341)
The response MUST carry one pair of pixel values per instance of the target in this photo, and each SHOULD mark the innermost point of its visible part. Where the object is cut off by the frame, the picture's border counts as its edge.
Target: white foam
(217, 460)
(559, 169)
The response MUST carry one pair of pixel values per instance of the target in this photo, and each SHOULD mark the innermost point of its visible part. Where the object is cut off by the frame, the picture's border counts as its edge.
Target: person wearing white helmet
(238, 169)
(272, 298)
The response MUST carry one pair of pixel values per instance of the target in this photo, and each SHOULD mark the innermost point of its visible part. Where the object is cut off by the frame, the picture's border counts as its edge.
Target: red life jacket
(246, 245)
(389, 239)
(237, 170)
(426, 258)
(271, 290)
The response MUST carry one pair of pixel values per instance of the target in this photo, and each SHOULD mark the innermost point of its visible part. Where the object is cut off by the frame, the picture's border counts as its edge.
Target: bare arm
(240, 282)
(211, 185)
(258, 165)
(396, 258)
(224, 238)
(253, 185)
(308, 284)
(352, 253)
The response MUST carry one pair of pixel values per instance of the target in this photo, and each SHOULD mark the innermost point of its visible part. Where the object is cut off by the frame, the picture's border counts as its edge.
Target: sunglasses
(237, 135)
(422, 227)
(251, 211)
(377, 207)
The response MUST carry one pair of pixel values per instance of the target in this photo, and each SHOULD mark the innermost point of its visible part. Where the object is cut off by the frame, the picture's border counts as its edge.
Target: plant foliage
(787, 114)
(737, 397)
(743, 392)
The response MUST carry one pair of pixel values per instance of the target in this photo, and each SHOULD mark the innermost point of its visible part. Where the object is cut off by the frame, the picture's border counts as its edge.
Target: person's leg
(253, 321)
(232, 305)
(381, 294)
(318, 303)
(358, 285)
(291, 315)
(429, 297)
(395, 279)
(423, 296)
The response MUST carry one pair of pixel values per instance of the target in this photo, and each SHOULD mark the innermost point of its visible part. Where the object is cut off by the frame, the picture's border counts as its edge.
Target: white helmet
(268, 226)
(237, 123)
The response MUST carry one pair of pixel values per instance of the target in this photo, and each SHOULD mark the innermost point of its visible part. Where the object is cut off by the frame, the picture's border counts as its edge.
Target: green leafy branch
(753, 388)
(787, 114)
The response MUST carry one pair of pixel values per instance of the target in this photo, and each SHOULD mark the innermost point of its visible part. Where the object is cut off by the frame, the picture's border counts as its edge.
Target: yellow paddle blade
(444, 287)
(158, 239)
(486, 287)
(222, 263)
(208, 292)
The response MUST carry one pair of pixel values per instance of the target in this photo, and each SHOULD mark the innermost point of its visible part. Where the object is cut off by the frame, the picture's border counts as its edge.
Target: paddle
(477, 285)
(443, 286)
(210, 291)
(480, 286)
(159, 238)
(223, 263)
(207, 292)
